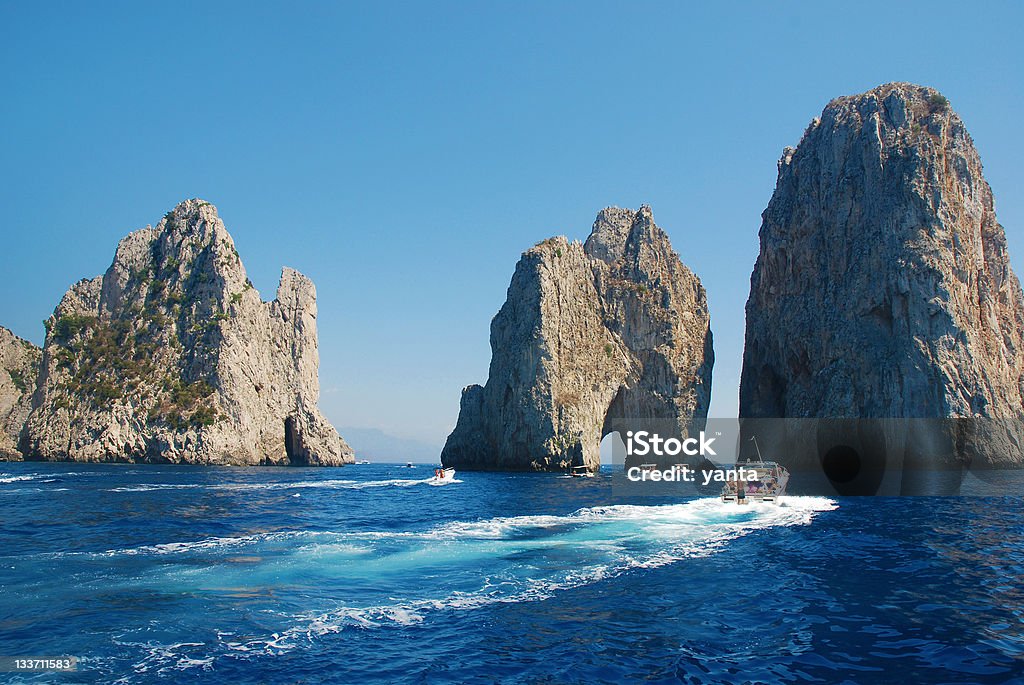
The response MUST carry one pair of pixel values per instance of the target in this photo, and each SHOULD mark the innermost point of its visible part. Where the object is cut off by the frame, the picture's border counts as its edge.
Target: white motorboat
(443, 475)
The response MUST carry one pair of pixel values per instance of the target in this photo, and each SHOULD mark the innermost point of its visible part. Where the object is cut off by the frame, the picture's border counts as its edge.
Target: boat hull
(444, 475)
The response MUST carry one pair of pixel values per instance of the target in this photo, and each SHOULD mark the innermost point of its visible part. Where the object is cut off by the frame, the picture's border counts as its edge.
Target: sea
(374, 574)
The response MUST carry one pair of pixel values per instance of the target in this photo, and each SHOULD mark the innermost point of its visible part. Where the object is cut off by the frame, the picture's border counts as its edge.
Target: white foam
(15, 479)
(162, 658)
(214, 543)
(284, 485)
(442, 481)
(713, 522)
(669, 522)
(612, 540)
(42, 477)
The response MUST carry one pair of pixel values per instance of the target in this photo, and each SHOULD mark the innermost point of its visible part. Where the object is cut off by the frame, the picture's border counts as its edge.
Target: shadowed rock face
(19, 366)
(883, 287)
(592, 334)
(171, 356)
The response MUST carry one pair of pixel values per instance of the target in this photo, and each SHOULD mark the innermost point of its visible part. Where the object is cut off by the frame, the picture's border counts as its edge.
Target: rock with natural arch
(591, 337)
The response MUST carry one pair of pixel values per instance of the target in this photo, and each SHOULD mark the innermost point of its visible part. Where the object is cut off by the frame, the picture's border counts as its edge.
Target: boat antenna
(753, 438)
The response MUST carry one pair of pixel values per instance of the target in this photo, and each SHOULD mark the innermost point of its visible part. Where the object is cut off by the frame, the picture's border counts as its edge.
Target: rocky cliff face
(883, 287)
(611, 330)
(172, 356)
(19, 366)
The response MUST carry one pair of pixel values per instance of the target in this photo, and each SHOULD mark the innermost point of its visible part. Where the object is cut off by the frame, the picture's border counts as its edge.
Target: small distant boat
(581, 472)
(362, 461)
(443, 475)
(768, 486)
(409, 465)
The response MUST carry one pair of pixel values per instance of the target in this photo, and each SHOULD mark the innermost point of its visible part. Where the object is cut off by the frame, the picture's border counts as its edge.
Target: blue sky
(403, 155)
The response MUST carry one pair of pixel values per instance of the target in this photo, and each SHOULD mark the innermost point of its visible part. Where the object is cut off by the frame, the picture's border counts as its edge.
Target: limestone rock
(19, 366)
(611, 330)
(883, 287)
(172, 356)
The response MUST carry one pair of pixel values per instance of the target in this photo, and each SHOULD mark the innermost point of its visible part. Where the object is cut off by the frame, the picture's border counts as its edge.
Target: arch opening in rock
(613, 449)
(614, 429)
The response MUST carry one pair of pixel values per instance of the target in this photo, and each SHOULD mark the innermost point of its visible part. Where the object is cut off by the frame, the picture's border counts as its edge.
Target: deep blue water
(367, 574)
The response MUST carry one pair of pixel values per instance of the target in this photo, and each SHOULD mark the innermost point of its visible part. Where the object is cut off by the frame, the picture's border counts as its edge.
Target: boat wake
(462, 565)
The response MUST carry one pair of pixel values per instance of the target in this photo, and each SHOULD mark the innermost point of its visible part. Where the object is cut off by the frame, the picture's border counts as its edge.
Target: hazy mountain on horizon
(374, 444)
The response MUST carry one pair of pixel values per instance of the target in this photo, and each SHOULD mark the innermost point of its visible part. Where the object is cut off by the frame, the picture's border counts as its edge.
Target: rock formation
(883, 288)
(19, 366)
(608, 331)
(171, 356)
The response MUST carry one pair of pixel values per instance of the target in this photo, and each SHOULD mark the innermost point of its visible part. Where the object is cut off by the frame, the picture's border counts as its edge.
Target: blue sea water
(369, 574)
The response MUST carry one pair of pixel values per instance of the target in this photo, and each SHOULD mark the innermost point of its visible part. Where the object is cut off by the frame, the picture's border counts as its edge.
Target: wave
(205, 544)
(39, 478)
(284, 485)
(229, 487)
(15, 479)
(42, 477)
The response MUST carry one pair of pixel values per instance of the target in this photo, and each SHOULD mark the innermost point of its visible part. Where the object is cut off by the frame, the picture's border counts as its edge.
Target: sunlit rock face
(172, 356)
(19, 367)
(883, 287)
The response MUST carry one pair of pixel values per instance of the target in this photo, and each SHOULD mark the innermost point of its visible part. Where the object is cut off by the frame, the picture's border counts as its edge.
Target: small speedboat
(409, 465)
(443, 475)
(581, 472)
(362, 461)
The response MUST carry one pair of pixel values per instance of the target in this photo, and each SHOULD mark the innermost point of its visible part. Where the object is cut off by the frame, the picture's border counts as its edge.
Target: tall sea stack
(883, 294)
(592, 338)
(172, 356)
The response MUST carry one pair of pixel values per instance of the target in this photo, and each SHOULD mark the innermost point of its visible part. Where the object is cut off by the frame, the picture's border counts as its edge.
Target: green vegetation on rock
(938, 103)
(70, 325)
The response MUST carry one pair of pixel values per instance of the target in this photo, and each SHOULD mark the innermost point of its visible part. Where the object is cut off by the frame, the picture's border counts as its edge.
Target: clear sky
(403, 155)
